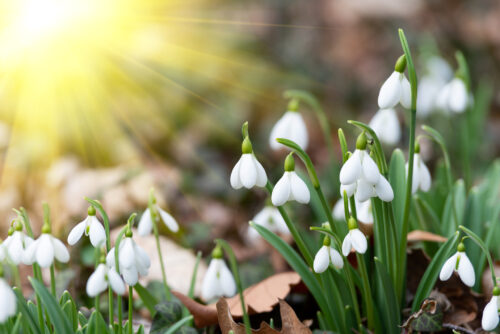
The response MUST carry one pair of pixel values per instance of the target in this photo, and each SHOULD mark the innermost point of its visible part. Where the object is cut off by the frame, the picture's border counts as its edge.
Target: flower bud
(246, 146)
(289, 163)
(361, 141)
(400, 64)
(91, 211)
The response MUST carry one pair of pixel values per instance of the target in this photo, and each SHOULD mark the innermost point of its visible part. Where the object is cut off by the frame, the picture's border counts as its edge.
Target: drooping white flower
(45, 249)
(17, 243)
(326, 255)
(146, 223)
(363, 210)
(396, 89)
(290, 187)
(248, 172)
(132, 259)
(354, 239)
(270, 218)
(460, 263)
(101, 277)
(421, 176)
(218, 280)
(8, 302)
(92, 228)
(290, 126)
(453, 96)
(490, 313)
(437, 73)
(385, 123)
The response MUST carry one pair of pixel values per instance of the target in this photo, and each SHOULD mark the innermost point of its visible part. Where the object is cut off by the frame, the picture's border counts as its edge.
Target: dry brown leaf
(290, 323)
(259, 298)
(418, 235)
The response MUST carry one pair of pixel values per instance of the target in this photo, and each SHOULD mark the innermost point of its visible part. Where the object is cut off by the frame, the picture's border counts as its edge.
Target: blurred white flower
(92, 228)
(385, 123)
(44, 250)
(396, 89)
(16, 244)
(363, 210)
(146, 223)
(290, 188)
(453, 96)
(421, 176)
(218, 281)
(101, 277)
(132, 259)
(270, 218)
(3, 252)
(460, 263)
(8, 301)
(290, 126)
(490, 313)
(326, 255)
(354, 239)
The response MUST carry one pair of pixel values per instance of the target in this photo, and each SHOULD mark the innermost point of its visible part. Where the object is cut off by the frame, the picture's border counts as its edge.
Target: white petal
(364, 190)
(490, 315)
(235, 176)
(299, 189)
(390, 92)
(351, 170)
(110, 258)
(227, 281)
(385, 123)
(336, 258)
(384, 190)
(448, 268)
(141, 256)
(261, 174)
(457, 100)
(130, 275)
(443, 98)
(97, 281)
(338, 210)
(364, 211)
(169, 220)
(346, 245)
(126, 255)
(405, 92)
(428, 89)
(425, 177)
(466, 270)
(370, 169)
(358, 241)
(248, 171)
(45, 251)
(210, 286)
(416, 173)
(7, 301)
(146, 223)
(348, 188)
(298, 131)
(116, 282)
(76, 233)
(16, 249)
(97, 233)
(29, 255)
(60, 251)
(281, 191)
(321, 260)
(278, 131)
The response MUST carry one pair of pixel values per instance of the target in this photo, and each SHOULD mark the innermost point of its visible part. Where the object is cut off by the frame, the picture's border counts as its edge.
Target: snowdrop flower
(3, 251)
(17, 243)
(270, 218)
(360, 176)
(421, 176)
(363, 210)
(92, 227)
(453, 96)
(460, 263)
(248, 172)
(290, 126)
(396, 89)
(354, 239)
(326, 255)
(45, 249)
(8, 301)
(385, 123)
(290, 187)
(101, 277)
(490, 312)
(146, 223)
(218, 280)
(132, 259)
(438, 73)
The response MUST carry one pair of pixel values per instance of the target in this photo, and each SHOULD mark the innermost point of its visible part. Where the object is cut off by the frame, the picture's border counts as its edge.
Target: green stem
(17, 278)
(53, 280)
(485, 250)
(168, 294)
(354, 297)
(130, 309)
(120, 314)
(368, 299)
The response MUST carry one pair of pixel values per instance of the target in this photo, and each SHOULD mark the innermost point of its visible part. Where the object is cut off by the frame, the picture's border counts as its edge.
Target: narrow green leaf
(96, 324)
(147, 298)
(179, 324)
(70, 311)
(387, 302)
(397, 179)
(82, 319)
(29, 318)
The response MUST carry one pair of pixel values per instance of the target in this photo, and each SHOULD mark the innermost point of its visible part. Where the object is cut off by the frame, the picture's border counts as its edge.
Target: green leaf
(177, 326)
(147, 298)
(387, 302)
(82, 319)
(96, 324)
(432, 272)
(167, 314)
(29, 318)
(458, 195)
(397, 179)
(70, 311)
(57, 316)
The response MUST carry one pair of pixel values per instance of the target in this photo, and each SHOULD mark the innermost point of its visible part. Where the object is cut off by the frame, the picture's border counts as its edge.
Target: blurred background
(108, 99)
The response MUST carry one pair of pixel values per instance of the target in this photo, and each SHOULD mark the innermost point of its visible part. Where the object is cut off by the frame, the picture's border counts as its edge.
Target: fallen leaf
(290, 323)
(418, 235)
(429, 318)
(259, 298)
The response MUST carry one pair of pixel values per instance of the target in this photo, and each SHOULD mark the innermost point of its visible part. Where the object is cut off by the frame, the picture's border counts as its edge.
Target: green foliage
(168, 319)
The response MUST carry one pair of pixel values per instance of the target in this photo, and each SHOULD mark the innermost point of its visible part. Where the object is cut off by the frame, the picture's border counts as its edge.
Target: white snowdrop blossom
(290, 126)
(132, 259)
(270, 218)
(363, 210)
(354, 239)
(460, 263)
(438, 73)
(101, 277)
(248, 172)
(396, 89)
(8, 301)
(16, 244)
(385, 123)
(146, 223)
(421, 176)
(290, 187)
(453, 96)
(92, 228)
(218, 280)
(326, 255)
(45, 249)
(490, 313)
